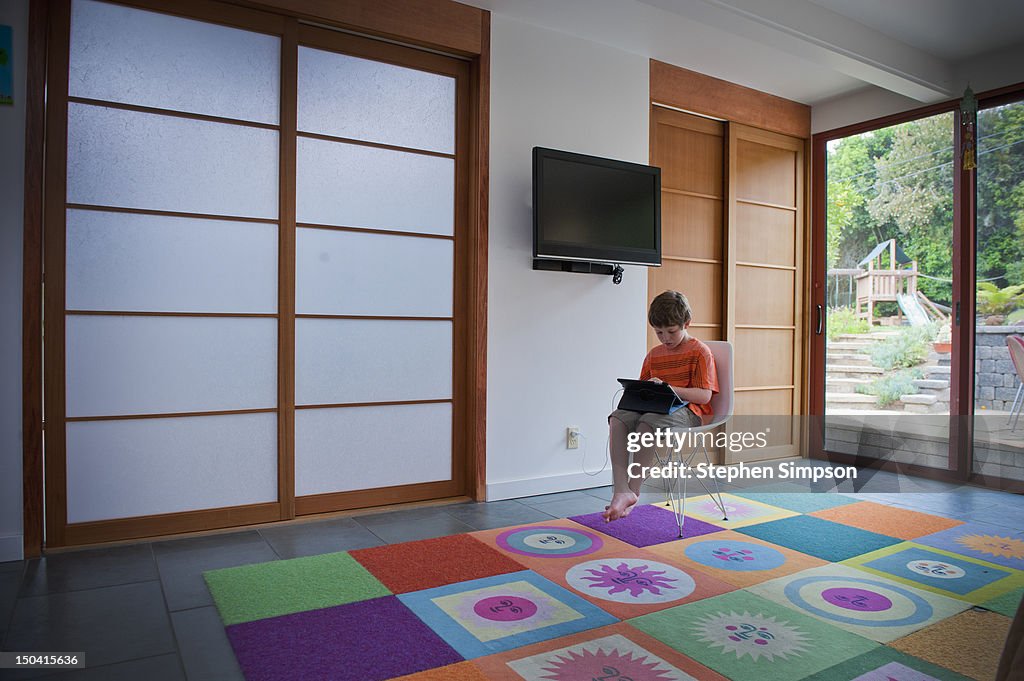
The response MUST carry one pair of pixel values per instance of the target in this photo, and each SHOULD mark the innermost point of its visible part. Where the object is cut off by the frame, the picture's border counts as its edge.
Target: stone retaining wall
(995, 381)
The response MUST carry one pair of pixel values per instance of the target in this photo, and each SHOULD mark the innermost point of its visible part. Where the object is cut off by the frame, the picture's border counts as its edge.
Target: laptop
(648, 396)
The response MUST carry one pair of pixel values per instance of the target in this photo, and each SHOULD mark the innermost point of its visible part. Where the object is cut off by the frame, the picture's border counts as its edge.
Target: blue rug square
(801, 502)
(494, 614)
(820, 538)
(963, 578)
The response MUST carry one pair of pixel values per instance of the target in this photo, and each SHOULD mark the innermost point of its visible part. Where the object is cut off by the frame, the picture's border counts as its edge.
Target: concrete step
(931, 384)
(919, 399)
(848, 346)
(937, 373)
(849, 358)
(845, 385)
(849, 400)
(870, 337)
(848, 371)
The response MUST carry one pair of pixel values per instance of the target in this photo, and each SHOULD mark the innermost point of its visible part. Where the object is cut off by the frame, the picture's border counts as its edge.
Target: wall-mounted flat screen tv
(595, 209)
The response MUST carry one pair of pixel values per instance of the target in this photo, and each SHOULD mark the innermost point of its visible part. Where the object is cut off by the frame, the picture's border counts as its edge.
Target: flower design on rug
(752, 634)
(610, 665)
(635, 579)
(1004, 547)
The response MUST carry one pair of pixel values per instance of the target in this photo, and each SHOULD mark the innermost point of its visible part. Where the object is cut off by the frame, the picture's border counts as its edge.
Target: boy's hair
(670, 308)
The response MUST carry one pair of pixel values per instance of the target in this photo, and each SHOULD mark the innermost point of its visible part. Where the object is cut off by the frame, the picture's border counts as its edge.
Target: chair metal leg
(719, 502)
(1020, 405)
(1016, 405)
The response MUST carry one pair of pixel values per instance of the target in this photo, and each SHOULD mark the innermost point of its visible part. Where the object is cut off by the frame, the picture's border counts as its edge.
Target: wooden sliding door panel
(765, 274)
(156, 364)
(764, 358)
(133, 261)
(772, 305)
(147, 161)
(699, 281)
(162, 243)
(143, 467)
(120, 54)
(354, 361)
(359, 273)
(684, 221)
(766, 173)
(378, 238)
(393, 444)
(690, 151)
(346, 96)
(765, 234)
(351, 185)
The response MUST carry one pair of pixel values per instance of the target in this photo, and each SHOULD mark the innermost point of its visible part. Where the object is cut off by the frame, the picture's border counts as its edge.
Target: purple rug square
(368, 640)
(646, 525)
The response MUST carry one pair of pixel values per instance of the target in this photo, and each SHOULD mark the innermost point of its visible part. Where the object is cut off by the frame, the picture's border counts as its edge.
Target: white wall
(556, 340)
(13, 13)
(987, 72)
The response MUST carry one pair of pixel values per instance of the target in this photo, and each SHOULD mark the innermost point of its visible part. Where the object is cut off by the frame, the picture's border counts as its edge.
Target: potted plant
(943, 343)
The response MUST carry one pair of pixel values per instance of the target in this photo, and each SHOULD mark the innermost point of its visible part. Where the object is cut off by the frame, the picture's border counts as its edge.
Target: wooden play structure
(896, 283)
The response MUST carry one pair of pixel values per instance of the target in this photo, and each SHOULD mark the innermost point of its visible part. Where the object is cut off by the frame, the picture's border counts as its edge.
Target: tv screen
(595, 209)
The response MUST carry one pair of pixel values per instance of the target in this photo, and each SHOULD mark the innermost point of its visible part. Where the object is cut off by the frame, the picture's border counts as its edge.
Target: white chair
(721, 407)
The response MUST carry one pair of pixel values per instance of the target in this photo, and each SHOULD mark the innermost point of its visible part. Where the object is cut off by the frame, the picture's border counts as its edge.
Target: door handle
(821, 319)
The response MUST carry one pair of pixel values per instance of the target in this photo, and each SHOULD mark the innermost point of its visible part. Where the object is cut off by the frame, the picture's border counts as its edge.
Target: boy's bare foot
(620, 506)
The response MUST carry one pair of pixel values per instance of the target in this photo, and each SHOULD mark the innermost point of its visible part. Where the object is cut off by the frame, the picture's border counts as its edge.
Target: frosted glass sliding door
(170, 296)
(375, 253)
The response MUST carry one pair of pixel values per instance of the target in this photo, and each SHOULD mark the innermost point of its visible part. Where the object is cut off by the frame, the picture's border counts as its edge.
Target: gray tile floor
(142, 611)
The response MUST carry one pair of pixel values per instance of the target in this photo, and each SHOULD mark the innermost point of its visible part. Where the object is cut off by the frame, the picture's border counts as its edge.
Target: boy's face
(670, 336)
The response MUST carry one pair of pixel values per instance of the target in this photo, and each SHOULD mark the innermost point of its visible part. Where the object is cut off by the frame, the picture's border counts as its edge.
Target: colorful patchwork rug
(785, 596)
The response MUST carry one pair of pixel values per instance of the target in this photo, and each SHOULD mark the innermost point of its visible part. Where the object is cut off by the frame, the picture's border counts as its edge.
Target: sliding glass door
(919, 292)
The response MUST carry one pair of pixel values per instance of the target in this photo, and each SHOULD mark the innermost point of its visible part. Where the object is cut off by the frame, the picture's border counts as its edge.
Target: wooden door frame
(961, 422)
(442, 25)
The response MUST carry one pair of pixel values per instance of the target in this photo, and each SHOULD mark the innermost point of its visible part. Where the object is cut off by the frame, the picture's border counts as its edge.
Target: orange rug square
(969, 643)
(889, 520)
(418, 565)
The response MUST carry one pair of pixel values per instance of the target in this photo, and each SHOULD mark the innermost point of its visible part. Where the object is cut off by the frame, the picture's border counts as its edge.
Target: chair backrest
(722, 401)
(1015, 344)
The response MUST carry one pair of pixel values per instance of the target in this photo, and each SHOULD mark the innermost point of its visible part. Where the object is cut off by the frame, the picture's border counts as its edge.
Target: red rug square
(419, 565)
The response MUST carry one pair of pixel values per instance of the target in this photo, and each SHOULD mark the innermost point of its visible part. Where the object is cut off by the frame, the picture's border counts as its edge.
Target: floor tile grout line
(167, 612)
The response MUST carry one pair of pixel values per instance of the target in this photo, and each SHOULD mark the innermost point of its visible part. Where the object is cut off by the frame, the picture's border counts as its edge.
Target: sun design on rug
(752, 634)
(636, 580)
(606, 666)
(1004, 547)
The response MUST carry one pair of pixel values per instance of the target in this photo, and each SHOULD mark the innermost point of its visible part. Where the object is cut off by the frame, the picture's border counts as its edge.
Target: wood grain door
(690, 151)
(764, 275)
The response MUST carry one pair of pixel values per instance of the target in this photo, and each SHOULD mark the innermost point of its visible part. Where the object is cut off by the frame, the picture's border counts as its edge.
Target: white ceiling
(805, 50)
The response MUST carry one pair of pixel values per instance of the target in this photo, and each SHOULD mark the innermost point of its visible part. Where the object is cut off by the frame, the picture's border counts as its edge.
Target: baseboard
(12, 547)
(529, 487)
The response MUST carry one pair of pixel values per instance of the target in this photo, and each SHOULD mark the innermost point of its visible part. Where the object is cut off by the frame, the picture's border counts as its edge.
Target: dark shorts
(680, 418)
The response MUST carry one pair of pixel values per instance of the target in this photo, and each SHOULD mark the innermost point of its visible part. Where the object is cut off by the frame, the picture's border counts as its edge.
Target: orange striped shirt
(689, 365)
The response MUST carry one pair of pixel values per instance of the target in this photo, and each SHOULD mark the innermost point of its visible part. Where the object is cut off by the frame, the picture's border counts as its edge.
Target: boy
(688, 367)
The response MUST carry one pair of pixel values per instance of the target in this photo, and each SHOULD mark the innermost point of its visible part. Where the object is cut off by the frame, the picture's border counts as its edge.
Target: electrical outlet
(572, 437)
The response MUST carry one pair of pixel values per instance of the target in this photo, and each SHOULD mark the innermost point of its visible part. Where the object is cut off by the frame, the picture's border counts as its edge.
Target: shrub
(844, 320)
(907, 349)
(1015, 318)
(993, 300)
(889, 389)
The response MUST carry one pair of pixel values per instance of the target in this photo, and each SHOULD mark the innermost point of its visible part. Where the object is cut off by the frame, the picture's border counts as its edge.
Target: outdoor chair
(1015, 344)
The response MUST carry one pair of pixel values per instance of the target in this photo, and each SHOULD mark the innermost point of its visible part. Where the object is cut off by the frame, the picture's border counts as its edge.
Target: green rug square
(801, 502)
(283, 587)
(1005, 604)
(885, 662)
(748, 638)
